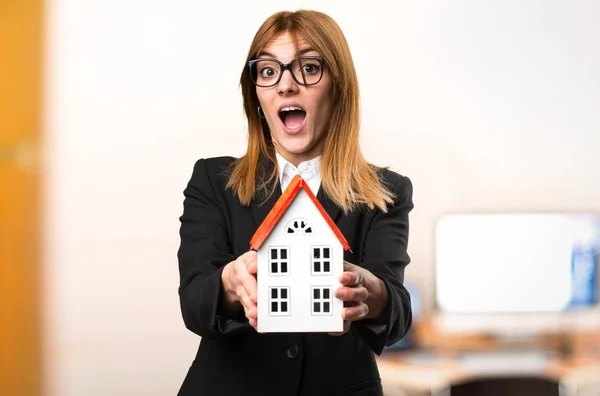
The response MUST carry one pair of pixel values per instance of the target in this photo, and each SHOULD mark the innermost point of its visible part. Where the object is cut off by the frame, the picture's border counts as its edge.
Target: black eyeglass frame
(284, 67)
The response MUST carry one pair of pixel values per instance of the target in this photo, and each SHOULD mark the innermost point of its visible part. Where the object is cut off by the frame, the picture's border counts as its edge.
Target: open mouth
(292, 117)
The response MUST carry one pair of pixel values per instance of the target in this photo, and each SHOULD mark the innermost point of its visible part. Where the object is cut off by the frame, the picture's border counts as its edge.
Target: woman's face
(297, 114)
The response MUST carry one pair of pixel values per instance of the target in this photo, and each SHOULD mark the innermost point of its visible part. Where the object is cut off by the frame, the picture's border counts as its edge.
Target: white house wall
(300, 279)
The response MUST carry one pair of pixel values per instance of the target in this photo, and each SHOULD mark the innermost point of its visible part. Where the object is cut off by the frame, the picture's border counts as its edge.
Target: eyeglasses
(267, 72)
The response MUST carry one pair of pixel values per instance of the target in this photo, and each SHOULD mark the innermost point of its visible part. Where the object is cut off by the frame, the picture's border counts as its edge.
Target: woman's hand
(364, 295)
(239, 285)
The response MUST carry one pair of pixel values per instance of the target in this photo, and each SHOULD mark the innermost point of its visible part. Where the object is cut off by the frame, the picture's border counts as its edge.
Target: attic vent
(298, 227)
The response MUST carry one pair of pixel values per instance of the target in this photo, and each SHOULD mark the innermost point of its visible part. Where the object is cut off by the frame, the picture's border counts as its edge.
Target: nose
(287, 85)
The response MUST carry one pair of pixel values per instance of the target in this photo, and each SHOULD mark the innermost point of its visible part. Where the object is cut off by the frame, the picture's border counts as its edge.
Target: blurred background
(490, 107)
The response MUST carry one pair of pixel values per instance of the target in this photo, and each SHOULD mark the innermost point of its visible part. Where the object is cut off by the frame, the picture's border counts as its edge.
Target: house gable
(296, 185)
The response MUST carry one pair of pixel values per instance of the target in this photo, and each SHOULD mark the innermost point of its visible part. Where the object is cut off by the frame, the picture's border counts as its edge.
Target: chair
(504, 386)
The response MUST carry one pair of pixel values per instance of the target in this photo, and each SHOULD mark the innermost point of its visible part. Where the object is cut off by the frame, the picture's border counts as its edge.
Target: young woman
(301, 100)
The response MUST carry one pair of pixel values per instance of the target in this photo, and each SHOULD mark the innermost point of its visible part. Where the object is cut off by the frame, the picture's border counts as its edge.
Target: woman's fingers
(239, 285)
(351, 278)
(249, 306)
(357, 294)
(247, 295)
(355, 312)
(251, 261)
(246, 289)
(249, 284)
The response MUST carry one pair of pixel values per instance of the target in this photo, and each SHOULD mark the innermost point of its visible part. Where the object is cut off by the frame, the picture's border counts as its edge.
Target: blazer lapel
(330, 207)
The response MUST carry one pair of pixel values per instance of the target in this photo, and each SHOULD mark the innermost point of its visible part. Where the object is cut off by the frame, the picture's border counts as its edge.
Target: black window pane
(284, 267)
(290, 230)
(273, 253)
(284, 306)
(326, 266)
(308, 230)
(283, 293)
(274, 267)
(326, 293)
(273, 293)
(325, 307)
(317, 307)
(326, 252)
(317, 266)
(295, 224)
(283, 254)
(316, 253)
(274, 306)
(317, 293)
(302, 224)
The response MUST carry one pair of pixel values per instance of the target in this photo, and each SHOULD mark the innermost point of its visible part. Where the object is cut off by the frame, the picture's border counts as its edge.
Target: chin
(296, 144)
(296, 151)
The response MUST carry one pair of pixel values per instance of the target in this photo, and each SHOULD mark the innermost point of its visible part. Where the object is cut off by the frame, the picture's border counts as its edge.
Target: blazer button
(292, 352)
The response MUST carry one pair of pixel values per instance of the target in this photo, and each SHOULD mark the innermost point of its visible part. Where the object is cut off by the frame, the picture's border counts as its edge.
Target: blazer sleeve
(385, 255)
(204, 250)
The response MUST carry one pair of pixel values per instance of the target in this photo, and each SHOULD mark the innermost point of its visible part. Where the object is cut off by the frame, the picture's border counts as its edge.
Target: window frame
(321, 260)
(278, 260)
(278, 300)
(321, 301)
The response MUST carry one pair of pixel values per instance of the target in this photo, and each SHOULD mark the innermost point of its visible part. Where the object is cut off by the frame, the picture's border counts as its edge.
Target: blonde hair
(347, 179)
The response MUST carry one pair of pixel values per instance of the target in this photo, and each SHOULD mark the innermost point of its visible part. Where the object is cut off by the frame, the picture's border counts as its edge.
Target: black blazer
(233, 359)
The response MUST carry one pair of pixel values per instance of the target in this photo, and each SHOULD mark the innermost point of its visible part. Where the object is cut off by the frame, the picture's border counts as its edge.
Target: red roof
(281, 206)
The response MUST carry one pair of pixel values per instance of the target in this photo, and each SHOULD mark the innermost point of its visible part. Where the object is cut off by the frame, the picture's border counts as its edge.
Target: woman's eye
(310, 68)
(267, 72)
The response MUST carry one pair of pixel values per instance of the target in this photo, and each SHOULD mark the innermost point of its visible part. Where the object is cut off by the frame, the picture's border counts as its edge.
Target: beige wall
(486, 108)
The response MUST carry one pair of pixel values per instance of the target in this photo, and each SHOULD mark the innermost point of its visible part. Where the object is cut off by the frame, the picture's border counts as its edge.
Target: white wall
(487, 106)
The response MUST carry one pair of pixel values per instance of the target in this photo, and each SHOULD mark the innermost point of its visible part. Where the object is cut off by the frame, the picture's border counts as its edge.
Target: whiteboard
(506, 263)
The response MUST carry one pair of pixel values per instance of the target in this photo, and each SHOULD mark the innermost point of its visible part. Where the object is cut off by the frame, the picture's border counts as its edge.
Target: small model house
(300, 260)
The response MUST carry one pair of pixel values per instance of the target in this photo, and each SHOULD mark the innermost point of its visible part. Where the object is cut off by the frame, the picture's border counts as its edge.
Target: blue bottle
(584, 271)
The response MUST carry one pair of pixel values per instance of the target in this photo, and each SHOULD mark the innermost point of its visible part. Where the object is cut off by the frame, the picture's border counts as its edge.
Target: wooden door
(20, 220)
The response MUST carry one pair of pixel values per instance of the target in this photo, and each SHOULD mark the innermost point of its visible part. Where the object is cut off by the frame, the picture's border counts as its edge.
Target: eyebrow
(270, 55)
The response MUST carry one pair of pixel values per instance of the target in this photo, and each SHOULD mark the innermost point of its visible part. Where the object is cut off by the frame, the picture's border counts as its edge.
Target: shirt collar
(286, 168)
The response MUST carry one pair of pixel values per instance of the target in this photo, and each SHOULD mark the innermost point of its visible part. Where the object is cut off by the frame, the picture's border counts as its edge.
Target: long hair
(347, 179)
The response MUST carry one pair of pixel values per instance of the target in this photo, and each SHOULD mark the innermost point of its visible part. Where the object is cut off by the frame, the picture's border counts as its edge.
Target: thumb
(252, 264)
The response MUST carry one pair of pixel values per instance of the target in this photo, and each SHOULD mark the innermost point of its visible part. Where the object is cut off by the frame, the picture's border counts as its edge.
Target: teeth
(291, 108)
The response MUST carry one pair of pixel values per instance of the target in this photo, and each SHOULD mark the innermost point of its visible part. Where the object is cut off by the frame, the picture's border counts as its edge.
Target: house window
(321, 260)
(279, 260)
(279, 301)
(298, 227)
(321, 300)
